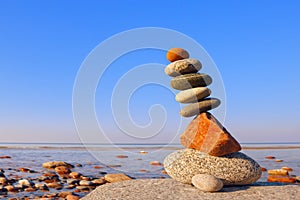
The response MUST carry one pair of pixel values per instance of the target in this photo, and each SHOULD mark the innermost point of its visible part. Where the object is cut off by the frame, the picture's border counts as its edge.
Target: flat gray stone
(188, 81)
(200, 107)
(169, 189)
(184, 66)
(233, 169)
(192, 95)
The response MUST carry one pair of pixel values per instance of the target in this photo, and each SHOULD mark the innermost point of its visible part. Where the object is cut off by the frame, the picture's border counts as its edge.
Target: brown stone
(72, 197)
(270, 157)
(4, 157)
(263, 169)
(284, 179)
(121, 156)
(75, 175)
(53, 164)
(116, 178)
(287, 169)
(62, 170)
(156, 163)
(55, 185)
(177, 54)
(206, 134)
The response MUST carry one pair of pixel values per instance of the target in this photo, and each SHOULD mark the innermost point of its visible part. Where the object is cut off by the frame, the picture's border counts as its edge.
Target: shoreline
(136, 148)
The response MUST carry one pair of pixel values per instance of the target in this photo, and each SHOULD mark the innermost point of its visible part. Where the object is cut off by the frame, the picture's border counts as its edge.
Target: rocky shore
(76, 178)
(169, 189)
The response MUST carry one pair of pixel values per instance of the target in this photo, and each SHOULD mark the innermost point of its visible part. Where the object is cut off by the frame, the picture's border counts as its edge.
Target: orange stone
(269, 157)
(284, 179)
(287, 169)
(263, 169)
(206, 134)
(177, 54)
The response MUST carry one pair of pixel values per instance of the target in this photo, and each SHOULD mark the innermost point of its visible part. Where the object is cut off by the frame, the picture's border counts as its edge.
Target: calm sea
(33, 155)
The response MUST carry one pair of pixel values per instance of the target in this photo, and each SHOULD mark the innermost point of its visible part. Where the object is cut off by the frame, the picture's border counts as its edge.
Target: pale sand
(169, 189)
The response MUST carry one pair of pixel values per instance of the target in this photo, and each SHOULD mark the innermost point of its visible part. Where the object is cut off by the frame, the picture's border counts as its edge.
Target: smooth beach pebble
(143, 152)
(53, 164)
(185, 66)
(62, 170)
(270, 157)
(177, 54)
(207, 183)
(112, 178)
(121, 156)
(263, 169)
(155, 163)
(4, 157)
(278, 160)
(192, 95)
(278, 172)
(280, 178)
(72, 197)
(75, 175)
(287, 169)
(200, 107)
(188, 81)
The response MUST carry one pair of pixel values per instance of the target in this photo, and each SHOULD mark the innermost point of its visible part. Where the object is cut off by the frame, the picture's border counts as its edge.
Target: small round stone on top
(177, 54)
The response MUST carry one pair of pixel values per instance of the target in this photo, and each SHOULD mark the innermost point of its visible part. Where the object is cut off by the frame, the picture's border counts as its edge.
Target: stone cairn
(211, 158)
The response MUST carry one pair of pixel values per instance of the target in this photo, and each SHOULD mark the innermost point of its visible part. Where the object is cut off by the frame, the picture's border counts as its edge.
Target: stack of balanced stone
(211, 158)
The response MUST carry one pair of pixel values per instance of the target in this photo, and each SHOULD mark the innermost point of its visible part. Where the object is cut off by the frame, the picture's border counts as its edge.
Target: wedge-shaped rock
(207, 135)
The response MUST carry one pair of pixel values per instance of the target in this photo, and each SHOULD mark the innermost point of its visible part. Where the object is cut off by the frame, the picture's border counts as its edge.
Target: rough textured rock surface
(232, 169)
(168, 189)
(188, 81)
(200, 107)
(184, 66)
(207, 183)
(206, 134)
(192, 95)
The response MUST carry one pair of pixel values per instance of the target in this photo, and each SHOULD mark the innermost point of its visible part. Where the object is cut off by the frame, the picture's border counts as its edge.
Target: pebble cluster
(184, 71)
(57, 180)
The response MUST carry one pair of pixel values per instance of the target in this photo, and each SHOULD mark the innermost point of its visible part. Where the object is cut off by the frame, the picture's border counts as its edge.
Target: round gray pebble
(200, 107)
(192, 95)
(184, 66)
(188, 81)
(207, 183)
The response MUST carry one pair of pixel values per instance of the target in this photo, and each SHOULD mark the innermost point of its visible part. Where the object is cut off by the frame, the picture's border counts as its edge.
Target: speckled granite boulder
(232, 169)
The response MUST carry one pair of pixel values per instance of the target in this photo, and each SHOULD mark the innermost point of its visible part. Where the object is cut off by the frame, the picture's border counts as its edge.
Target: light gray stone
(192, 95)
(188, 81)
(207, 183)
(86, 183)
(200, 107)
(184, 66)
(233, 169)
(169, 189)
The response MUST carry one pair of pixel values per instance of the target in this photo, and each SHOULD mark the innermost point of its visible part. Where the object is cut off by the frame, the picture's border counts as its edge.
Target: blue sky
(255, 44)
